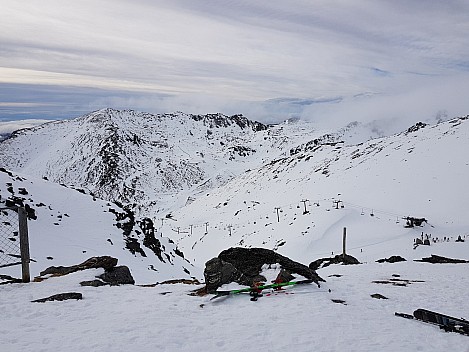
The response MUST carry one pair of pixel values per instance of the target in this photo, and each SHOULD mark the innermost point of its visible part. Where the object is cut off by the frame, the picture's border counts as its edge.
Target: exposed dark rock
(119, 275)
(93, 283)
(240, 151)
(149, 241)
(284, 276)
(180, 281)
(459, 239)
(5, 171)
(244, 265)
(436, 259)
(8, 279)
(133, 246)
(14, 201)
(219, 120)
(340, 301)
(105, 262)
(178, 252)
(391, 259)
(217, 272)
(338, 259)
(416, 127)
(411, 221)
(61, 297)
(378, 296)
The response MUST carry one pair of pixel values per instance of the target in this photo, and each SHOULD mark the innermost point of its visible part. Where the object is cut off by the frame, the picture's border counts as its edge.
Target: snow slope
(71, 226)
(368, 188)
(166, 318)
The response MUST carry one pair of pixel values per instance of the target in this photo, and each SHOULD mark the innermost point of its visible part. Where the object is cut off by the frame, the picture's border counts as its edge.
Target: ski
(445, 322)
(262, 287)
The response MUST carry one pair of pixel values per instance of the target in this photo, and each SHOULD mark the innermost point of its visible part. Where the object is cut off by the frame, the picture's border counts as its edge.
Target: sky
(333, 61)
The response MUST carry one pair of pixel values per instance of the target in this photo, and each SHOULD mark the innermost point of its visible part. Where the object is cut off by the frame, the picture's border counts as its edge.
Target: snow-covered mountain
(154, 162)
(212, 181)
(132, 157)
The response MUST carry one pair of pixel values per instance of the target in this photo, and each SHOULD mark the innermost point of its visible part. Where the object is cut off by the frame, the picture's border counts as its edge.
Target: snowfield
(148, 318)
(295, 194)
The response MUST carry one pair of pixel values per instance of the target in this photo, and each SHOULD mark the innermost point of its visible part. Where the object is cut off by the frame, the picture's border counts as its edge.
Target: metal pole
(343, 242)
(24, 243)
(278, 216)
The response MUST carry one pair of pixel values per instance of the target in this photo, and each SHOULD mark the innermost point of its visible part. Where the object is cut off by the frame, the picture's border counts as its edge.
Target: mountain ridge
(210, 182)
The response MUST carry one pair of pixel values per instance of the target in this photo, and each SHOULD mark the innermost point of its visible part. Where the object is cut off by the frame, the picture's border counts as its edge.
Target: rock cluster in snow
(244, 266)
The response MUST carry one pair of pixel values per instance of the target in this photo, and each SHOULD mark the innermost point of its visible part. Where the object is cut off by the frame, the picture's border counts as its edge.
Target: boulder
(119, 275)
(391, 259)
(338, 259)
(244, 265)
(218, 272)
(93, 283)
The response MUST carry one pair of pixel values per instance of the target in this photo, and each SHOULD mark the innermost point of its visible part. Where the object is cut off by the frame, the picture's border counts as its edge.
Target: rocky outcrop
(113, 275)
(436, 259)
(338, 259)
(60, 297)
(244, 266)
(93, 283)
(119, 275)
(105, 262)
(391, 259)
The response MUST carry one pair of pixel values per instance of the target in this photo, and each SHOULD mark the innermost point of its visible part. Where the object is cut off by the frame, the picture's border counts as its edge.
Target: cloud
(7, 128)
(426, 98)
(268, 59)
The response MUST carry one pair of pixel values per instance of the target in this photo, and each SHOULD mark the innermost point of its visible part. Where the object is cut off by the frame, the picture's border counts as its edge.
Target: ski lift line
(283, 208)
(358, 247)
(263, 215)
(374, 210)
(372, 244)
(370, 209)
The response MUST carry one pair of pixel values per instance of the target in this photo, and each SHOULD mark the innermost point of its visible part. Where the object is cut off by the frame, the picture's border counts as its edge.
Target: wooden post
(343, 242)
(24, 243)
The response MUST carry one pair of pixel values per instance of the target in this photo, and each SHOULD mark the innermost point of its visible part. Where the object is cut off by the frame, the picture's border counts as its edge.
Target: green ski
(262, 287)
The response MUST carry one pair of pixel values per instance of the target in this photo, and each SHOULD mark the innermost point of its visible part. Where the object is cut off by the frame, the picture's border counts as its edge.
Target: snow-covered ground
(150, 319)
